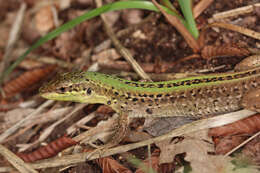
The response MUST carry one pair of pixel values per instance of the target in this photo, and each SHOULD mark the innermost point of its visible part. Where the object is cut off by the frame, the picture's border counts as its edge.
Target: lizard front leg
(120, 131)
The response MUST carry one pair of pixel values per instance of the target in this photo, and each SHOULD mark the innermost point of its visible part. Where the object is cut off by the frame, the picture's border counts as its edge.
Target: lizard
(199, 97)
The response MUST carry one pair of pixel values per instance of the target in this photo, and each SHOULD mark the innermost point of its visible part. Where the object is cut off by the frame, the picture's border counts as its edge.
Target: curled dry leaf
(110, 165)
(26, 80)
(248, 125)
(209, 52)
(49, 150)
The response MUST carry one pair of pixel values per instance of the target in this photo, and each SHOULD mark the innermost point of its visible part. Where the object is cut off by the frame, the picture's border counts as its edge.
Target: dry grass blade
(234, 12)
(200, 7)
(245, 31)
(174, 21)
(14, 34)
(194, 126)
(16, 161)
(123, 51)
(12, 129)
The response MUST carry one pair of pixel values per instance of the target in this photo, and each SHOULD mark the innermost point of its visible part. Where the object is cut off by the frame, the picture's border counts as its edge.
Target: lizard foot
(120, 129)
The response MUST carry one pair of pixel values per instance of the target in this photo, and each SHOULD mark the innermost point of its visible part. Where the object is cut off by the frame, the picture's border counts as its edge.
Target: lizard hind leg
(120, 131)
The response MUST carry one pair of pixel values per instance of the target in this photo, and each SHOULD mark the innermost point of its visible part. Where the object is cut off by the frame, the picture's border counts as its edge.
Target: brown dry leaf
(112, 17)
(248, 125)
(110, 165)
(44, 19)
(193, 144)
(105, 56)
(160, 126)
(26, 80)
(227, 143)
(66, 45)
(138, 136)
(132, 16)
(145, 165)
(209, 52)
(252, 150)
(49, 150)
(196, 149)
(13, 116)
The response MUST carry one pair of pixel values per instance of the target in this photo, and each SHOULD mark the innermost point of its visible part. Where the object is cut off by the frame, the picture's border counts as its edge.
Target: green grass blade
(146, 5)
(187, 12)
(168, 4)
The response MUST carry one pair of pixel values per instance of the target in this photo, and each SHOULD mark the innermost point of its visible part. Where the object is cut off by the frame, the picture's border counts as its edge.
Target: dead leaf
(13, 116)
(197, 146)
(105, 56)
(160, 126)
(110, 165)
(44, 19)
(194, 144)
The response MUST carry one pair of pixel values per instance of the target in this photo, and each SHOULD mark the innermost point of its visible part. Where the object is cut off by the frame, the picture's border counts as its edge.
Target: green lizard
(201, 96)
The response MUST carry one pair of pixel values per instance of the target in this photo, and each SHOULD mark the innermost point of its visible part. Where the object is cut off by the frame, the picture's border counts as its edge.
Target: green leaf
(186, 9)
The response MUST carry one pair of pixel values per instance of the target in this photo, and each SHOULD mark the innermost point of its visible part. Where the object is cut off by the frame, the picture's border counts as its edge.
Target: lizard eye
(62, 89)
(89, 90)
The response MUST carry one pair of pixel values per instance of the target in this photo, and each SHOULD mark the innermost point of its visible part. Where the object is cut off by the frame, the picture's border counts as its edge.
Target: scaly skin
(194, 96)
(200, 96)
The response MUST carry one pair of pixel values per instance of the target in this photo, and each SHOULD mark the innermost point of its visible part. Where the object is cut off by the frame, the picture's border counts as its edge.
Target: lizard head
(73, 86)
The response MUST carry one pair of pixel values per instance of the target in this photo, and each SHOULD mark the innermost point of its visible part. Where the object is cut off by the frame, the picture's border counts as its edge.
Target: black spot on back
(159, 95)
(149, 111)
(135, 99)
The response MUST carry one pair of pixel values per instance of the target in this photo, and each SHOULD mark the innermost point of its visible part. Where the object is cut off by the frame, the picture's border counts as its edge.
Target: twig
(234, 12)
(187, 128)
(200, 7)
(20, 123)
(242, 30)
(13, 37)
(126, 31)
(174, 21)
(242, 144)
(122, 50)
(49, 129)
(18, 163)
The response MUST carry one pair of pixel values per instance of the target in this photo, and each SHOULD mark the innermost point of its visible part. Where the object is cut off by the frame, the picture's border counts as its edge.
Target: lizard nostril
(43, 89)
